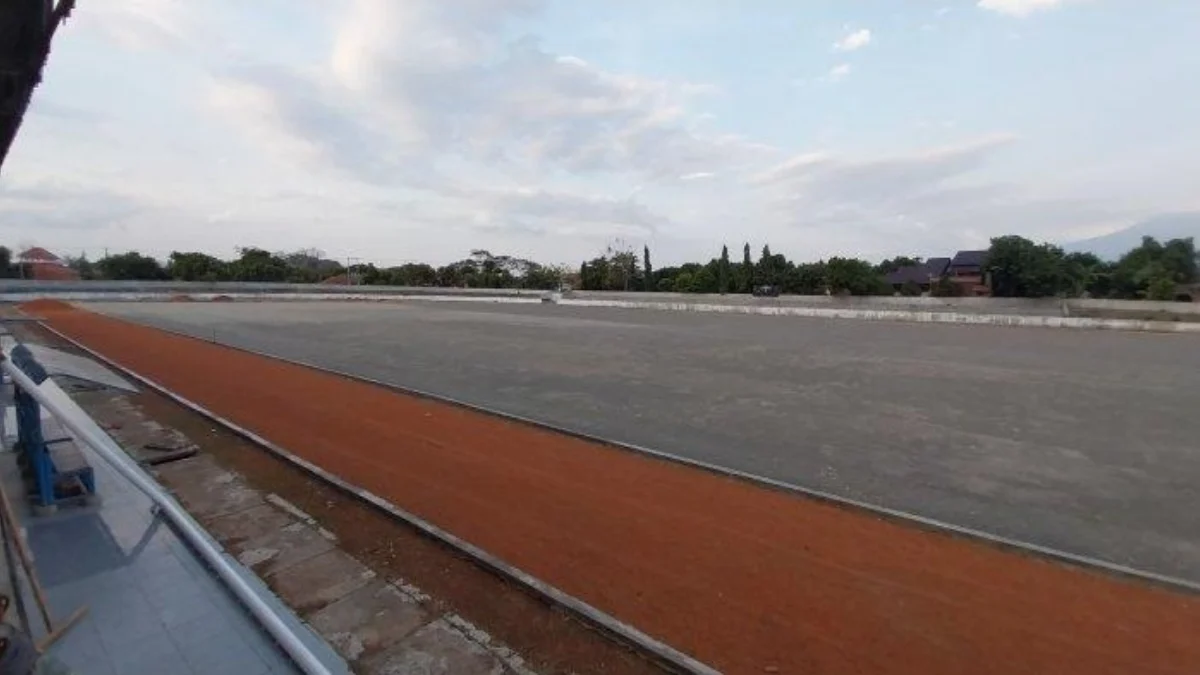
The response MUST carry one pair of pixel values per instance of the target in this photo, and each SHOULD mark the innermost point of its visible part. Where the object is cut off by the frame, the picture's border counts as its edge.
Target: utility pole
(350, 262)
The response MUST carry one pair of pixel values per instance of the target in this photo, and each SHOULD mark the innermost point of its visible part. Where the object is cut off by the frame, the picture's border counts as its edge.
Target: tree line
(1151, 271)
(481, 269)
(617, 270)
(1013, 267)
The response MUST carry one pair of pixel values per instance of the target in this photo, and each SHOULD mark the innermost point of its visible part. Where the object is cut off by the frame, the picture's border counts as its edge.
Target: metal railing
(84, 429)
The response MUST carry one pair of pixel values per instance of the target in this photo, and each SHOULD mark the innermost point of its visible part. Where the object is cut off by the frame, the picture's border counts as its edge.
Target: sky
(418, 130)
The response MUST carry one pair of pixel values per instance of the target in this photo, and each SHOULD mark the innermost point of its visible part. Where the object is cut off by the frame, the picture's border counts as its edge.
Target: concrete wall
(906, 315)
(24, 287)
(1138, 306)
(1041, 307)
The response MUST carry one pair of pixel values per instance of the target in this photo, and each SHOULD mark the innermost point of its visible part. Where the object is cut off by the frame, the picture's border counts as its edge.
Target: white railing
(84, 429)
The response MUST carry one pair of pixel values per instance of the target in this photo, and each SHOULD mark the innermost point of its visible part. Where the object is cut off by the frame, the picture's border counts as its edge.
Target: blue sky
(400, 130)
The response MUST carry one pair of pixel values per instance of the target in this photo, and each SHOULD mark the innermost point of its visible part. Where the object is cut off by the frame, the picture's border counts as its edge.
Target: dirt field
(749, 580)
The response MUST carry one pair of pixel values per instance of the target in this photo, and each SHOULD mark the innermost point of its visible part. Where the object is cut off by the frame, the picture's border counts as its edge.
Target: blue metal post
(33, 446)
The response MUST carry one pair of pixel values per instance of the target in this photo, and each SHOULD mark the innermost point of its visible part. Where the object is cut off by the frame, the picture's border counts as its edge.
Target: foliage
(312, 262)
(7, 269)
(615, 270)
(131, 266)
(768, 267)
(849, 276)
(1161, 288)
(724, 271)
(1153, 263)
(1014, 266)
(746, 272)
(647, 271)
(483, 270)
(805, 279)
(82, 266)
(1020, 268)
(910, 289)
(1090, 275)
(892, 264)
(195, 266)
(544, 277)
(411, 274)
(256, 264)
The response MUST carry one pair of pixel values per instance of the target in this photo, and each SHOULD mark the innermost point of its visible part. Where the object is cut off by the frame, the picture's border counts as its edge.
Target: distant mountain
(1162, 228)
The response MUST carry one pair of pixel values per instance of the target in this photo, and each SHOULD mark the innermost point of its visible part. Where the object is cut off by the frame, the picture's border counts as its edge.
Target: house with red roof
(41, 265)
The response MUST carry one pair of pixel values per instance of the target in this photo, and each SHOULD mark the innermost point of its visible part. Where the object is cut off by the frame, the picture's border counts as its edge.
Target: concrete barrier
(1029, 306)
(112, 296)
(61, 289)
(906, 316)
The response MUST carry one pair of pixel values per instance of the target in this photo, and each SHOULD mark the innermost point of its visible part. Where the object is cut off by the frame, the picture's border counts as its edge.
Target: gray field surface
(1085, 441)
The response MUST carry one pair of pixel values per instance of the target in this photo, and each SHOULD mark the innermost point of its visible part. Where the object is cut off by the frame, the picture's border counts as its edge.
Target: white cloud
(56, 204)
(423, 129)
(1022, 8)
(934, 199)
(838, 73)
(539, 210)
(856, 40)
(140, 25)
(445, 81)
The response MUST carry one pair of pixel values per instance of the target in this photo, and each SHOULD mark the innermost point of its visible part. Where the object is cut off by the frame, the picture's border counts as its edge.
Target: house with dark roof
(966, 270)
(41, 265)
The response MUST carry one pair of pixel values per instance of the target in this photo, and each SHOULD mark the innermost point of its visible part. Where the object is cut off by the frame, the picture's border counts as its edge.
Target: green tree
(623, 269)
(806, 279)
(131, 266)
(682, 283)
(366, 274)
(7, 269)
(594, 274)
(1088, 274)
(542, 278)
(195, 266)
(892, 264)
(1161, 287)
(766, 268)
(82, 266)
(747, 271)
(723, 271)
(411, 274)
(1020, 268)
(452, 275)
(256, 264)
(648, 284)
(615, 270)
(850, 276)
(1151, 262)
(705, 280)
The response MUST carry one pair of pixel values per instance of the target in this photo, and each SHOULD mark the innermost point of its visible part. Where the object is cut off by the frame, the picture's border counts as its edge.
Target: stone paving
(383, 626)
